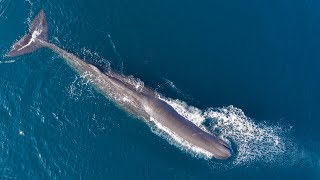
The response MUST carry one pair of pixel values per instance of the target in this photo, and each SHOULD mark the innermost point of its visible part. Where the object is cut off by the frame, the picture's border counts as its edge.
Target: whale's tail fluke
(38, 31)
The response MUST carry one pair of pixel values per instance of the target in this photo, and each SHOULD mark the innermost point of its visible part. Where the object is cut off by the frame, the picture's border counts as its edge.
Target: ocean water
(246, 70)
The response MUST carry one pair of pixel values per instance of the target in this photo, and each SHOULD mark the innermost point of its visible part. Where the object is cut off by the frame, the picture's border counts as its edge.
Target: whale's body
(142, 102)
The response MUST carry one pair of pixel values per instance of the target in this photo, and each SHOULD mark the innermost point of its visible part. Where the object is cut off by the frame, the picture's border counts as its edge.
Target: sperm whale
(141, 102)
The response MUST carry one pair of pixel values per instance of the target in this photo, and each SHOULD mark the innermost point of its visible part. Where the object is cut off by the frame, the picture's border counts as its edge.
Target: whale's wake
(254, 141)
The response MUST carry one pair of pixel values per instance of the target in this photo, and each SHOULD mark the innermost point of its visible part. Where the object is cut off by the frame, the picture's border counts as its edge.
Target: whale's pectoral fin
(30, 42)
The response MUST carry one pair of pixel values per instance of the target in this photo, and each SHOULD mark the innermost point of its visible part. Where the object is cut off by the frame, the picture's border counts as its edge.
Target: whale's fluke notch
(38, 31)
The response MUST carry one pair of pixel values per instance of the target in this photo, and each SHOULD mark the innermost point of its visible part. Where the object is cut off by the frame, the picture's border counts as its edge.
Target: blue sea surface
(246, 70)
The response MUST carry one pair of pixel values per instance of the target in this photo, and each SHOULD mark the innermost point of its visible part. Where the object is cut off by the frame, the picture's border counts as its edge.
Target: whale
(142, 102)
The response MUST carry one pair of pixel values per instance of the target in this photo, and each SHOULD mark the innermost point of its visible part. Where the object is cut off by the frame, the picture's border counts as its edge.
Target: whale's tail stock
(38, 31)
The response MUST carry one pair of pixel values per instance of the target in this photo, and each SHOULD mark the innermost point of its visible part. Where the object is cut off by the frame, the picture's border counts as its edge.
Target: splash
(114, 48)
(30, 14)
(78, 86)
(171, 85)
(7, 62)
(254, 141)
(30, 2)
(4, 5)
(135, 82)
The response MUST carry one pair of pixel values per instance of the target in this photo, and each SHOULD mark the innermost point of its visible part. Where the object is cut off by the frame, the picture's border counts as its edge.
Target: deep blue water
(261, 57)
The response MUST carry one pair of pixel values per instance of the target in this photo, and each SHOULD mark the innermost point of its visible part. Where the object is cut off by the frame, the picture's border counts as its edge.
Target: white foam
(114, 48)
(253, 141)
(55, 116)
(171, 85)
(86, 53)
(21, 133)
(135, 82)
(30, 15)
(30, 2)
(7, 62)
(74, 89)
(4, 4)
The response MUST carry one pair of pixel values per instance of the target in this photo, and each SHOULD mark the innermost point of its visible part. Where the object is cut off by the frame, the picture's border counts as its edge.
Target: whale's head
(220, 149)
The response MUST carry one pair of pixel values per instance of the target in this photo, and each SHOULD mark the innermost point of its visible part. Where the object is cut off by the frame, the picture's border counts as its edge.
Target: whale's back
(167, 116)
